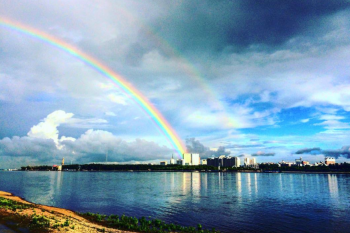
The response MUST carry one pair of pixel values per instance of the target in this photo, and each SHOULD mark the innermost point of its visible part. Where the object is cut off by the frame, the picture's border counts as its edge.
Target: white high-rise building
(195, 160)
(191, 159)
(187, 158)
(172, 160)
(246, 161)
(252, 161)
(238, 162)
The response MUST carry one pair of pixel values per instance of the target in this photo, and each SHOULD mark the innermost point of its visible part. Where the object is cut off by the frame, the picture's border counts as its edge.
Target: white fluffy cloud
(43, 145)
(47, 129)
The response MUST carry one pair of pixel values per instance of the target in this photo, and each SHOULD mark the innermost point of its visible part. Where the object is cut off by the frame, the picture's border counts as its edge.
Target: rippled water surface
(241, 202)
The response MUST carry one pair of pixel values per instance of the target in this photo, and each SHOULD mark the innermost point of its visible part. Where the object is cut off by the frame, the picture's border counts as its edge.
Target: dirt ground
(20, 219)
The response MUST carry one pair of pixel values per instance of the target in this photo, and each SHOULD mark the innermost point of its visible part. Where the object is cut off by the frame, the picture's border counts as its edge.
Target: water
(240, 202)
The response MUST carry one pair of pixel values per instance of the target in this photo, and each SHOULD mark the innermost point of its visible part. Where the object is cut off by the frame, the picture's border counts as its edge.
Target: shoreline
(59, 219)
(196, 171)
(19, 215)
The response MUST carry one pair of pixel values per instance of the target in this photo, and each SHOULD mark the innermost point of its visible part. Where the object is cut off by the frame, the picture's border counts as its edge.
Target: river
(230, 202)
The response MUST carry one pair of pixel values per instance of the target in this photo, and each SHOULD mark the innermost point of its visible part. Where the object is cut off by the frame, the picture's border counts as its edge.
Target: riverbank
(22, 216)
(19, 215)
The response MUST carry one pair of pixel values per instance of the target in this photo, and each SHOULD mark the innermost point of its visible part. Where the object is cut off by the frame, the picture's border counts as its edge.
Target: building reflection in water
(55, 187)
(239, 184)
(256, 183)
(333, 185)
(191, 183)
(249, 184)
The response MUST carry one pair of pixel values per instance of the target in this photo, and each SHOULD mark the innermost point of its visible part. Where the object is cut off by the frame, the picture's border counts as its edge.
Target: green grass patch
(141, 224)
(12, 205)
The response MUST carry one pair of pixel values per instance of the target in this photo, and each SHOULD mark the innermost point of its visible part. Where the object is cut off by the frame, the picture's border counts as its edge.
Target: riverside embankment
(20, 215)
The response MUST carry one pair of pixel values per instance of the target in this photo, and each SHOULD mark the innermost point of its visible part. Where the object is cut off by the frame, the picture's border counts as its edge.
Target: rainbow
(126, 87)
(189, 69)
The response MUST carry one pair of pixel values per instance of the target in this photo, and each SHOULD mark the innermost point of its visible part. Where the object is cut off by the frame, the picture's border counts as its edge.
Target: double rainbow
(132, 92)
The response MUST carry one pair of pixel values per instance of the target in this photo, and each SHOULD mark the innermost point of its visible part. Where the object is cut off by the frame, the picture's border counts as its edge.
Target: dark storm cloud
(195, 146)
(344, 152)
(28, 147)
(315, 150)
(233, 25)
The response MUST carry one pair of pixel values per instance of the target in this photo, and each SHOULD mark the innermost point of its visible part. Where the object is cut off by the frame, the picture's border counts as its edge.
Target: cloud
(305, 120)
(35, 148)
(195, 146)
(117, 99)
(93, 145)
(239, 146)
(43, 146)
(237, 25)
(47, 129)
(344, 152)
(315, 150)
(261, 153)
(110, 114)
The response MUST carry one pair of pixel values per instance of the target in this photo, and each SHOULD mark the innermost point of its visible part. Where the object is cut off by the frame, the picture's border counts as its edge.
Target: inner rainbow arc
(132, 92)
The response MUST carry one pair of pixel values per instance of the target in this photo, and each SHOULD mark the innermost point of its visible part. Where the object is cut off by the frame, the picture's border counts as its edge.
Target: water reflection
(191, 183)
(239, 184)
(333, 185)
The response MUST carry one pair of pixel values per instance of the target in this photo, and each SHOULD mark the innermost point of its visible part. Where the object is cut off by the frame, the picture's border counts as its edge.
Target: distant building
(172, 160)
(300, 162)
(329, 160)
(187, 158)
(223, 161)
(62, 162)
(286, 164)
(250, 162)
(180, 162)
(195, 160)
(163, 163)
(57, 168)
(204, 162)
(246, 161)
(191, 159)
(305, 163)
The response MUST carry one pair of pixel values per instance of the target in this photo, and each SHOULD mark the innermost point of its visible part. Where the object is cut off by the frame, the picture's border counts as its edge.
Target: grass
(142, 224)
(13, 205)
(40, 223)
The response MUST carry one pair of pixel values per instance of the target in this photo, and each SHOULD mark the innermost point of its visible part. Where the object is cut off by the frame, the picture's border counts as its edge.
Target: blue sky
(277, 74)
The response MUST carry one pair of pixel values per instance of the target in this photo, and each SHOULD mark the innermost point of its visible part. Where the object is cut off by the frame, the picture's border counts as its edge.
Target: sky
(246, 78)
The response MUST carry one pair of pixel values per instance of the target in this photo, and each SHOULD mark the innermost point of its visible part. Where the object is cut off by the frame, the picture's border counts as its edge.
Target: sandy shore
(61, 220)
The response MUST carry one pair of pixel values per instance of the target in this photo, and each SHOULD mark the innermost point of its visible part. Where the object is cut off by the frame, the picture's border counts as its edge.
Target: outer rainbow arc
(188, 67)
(132, 92)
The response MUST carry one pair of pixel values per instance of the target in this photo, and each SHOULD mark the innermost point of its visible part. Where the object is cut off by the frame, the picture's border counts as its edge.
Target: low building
(163, 163)
(300, 162)
(329, 160)
(223, 161)
(180, 162)
(204, 162)
(286, 164)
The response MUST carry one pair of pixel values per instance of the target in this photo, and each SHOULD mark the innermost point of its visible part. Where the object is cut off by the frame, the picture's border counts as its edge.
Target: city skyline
(269, 81)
